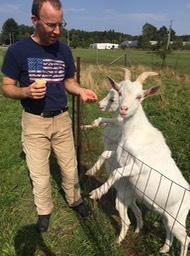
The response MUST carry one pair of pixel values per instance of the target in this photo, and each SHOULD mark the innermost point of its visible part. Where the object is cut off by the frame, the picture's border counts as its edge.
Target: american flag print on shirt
(48, 69)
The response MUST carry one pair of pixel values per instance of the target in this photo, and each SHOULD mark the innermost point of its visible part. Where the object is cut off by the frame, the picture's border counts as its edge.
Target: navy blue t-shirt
(27, 61)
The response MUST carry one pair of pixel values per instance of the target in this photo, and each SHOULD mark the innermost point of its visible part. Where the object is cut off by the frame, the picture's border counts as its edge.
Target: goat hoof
(137, 230)
(92, 196)
(164, 249)
(118, 240)
(83, 128)
(89, 173)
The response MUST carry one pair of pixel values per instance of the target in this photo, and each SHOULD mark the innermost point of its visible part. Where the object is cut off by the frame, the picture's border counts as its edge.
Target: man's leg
(63, 146)
(36, 145)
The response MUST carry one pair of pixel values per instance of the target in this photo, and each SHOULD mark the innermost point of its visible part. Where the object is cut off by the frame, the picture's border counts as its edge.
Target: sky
(123, 16)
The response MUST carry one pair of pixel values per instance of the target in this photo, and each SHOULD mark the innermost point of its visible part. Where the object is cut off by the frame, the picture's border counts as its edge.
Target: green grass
(69, 234)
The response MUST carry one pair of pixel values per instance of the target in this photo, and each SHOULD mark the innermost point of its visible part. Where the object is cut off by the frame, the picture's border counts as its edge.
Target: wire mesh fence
(158, 192)
(138, 181)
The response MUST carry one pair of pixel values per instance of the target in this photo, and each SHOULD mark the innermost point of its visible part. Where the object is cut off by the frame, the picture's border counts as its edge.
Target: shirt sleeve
(70, 65)
(10, 65)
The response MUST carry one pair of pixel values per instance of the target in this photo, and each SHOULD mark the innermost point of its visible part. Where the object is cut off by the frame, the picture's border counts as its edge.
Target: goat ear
(151, 91)
(113, 84)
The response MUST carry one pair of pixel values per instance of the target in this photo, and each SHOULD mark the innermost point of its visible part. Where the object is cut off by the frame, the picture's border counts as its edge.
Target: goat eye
(120, 93)
(139, 97)
(111, 100)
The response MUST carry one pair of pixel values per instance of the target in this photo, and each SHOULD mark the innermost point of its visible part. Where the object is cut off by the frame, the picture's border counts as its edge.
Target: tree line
(12, 32)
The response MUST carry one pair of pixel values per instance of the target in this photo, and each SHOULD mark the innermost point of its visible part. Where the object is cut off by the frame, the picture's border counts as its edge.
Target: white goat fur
(111, 137)
(145, 161)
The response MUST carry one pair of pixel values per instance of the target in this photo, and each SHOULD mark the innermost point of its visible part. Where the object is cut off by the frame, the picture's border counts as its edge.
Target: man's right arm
(11, 90)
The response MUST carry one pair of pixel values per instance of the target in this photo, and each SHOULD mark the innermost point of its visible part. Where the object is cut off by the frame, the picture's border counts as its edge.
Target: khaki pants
(39, 136)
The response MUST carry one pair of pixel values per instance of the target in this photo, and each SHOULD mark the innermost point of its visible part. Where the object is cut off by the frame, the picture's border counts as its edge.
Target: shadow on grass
(28, 241)
(94, 227)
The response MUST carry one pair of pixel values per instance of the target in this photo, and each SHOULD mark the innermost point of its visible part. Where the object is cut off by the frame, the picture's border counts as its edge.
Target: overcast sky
(120, 15)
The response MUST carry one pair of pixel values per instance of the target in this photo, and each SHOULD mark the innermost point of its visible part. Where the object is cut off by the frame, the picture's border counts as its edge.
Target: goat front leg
(103, 189)
(100, 120)
(86, 127)
(117, 174)
(96, 167)
(105, 120)
(94, 124)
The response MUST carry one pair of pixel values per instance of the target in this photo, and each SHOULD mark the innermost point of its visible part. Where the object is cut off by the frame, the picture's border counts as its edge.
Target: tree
(162, 37)
(143, 42)
(163, 46)
(177, 44)
(24, 31)
(9, 31)
(75, 41)
(149, 32)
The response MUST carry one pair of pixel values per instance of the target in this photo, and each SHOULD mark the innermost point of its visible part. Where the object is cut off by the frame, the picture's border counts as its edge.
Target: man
(44, 68)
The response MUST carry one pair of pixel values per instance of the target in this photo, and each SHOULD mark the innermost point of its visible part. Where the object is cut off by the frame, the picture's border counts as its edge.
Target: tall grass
(68, 233)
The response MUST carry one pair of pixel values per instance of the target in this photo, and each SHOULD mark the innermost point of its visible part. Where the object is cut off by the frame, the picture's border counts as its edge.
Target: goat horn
(127, 74)
(143, 76)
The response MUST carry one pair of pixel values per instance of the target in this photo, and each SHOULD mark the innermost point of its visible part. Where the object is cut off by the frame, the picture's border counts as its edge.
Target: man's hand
(73, 88)
(37, 90)
(88, 96)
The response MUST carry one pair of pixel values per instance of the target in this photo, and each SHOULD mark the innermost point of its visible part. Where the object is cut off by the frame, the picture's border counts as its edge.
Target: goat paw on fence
(86, 127)
(96, 122)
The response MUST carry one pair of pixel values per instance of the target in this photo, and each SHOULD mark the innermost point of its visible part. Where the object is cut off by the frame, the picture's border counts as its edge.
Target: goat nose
(124, 108)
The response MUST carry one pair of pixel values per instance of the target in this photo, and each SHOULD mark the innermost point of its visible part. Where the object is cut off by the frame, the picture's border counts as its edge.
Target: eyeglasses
(53, 26)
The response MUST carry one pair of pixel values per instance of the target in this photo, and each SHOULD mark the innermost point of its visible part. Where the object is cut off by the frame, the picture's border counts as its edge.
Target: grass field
(177, 61)
(69, 235)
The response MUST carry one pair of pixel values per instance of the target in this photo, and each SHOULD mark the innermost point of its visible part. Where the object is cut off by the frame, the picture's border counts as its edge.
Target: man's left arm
(73, 88)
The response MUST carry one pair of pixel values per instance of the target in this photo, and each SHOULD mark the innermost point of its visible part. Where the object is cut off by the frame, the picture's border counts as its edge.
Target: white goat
(111, 137)
(112, 132)
(145, 161)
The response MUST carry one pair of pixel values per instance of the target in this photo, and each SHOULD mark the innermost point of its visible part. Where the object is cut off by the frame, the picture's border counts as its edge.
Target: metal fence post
(78, 130)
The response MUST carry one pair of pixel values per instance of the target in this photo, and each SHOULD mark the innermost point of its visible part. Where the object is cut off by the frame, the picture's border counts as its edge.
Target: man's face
(48, 24)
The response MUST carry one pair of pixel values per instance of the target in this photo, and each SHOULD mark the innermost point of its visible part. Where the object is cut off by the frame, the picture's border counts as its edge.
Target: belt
(47, 114)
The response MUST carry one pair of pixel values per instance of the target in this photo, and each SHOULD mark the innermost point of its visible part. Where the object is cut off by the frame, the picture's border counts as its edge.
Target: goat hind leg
(122, 208)
(184, 246)
(178, 230)
(181, 234)
(138, 216)
(169, 235)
